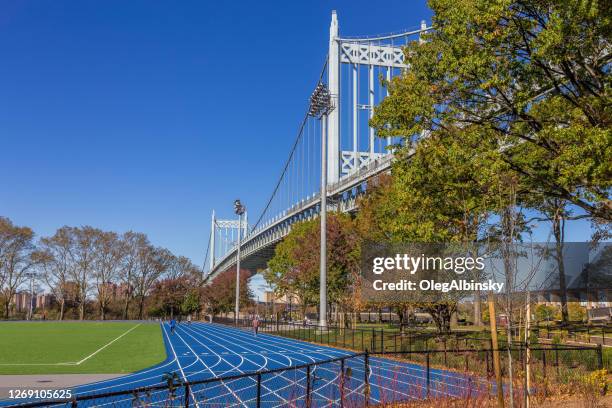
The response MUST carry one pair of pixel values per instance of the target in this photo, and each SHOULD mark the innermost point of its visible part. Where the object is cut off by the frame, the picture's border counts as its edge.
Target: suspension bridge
(356, 72)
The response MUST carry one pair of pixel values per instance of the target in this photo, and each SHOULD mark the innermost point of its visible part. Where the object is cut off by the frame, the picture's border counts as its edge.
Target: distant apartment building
(44, 301)
(22, 301)
(71, 291)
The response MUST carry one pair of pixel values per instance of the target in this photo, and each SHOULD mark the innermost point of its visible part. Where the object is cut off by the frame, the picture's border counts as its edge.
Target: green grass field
(79, 347)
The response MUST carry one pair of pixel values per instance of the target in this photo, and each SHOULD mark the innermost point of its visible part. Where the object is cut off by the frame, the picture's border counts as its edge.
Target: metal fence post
(366, 378)
(373, 340)
(258, 403)
(187, 395)
(342, 383)
(382, 341)
(445, 357)
(308, 386)
(428, 372)
(589, 333)
(600, 356)
(486, 362)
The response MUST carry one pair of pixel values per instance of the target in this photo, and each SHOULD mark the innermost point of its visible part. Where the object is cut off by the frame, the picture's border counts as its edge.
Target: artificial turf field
(79, 347)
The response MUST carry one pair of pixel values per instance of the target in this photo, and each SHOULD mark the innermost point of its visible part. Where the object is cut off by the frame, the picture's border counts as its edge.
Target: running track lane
(201, 351)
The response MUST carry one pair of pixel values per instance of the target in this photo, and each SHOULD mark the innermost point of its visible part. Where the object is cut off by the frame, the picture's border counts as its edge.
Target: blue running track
(200, 351)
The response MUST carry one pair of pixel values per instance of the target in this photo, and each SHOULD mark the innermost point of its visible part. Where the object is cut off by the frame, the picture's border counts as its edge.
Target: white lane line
(220, 333)
(233, 352)
(268, 339)
(180, 367)
(105, 346)
(213, 373)
(236, 334)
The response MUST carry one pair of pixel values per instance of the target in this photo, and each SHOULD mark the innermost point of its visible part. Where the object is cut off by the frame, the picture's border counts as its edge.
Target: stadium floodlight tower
(31, 276)
(320, 106)
(239, 210)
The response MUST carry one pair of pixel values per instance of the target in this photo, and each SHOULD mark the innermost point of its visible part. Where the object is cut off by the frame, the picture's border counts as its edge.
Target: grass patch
(55, 347)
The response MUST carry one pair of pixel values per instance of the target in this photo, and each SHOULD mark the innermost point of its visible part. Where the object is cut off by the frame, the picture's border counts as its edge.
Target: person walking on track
(172, 325)
(255, 324)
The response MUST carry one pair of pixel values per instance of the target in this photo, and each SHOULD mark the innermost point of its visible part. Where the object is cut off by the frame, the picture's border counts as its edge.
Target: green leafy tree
(191, 303)
(529, 79)
(294, 269)
(546, 313)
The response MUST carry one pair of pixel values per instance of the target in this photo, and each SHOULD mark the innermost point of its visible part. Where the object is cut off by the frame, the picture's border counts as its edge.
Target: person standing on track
(255, 324)
(172, 325)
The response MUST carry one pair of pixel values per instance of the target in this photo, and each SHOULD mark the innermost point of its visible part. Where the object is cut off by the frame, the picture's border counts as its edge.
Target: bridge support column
(333, 81)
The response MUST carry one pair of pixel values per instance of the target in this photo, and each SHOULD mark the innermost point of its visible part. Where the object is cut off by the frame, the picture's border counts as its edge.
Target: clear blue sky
(146, 115)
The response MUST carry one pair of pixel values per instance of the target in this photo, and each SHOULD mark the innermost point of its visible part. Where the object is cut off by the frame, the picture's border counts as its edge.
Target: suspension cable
(288, 162)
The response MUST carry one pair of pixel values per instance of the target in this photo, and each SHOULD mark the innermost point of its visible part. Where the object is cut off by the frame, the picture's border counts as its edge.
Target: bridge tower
(226, 231)
(333, 120)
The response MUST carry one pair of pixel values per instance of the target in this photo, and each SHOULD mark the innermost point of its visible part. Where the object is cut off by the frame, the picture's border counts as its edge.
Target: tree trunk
(401, 317)
(126, 308)
(477, 309)
(82, 311)
(558, 231)
(140, 307)
(62, 306)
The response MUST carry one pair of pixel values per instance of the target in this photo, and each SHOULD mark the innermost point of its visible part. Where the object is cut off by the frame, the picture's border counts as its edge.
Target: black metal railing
(307, 383)
(466, 350)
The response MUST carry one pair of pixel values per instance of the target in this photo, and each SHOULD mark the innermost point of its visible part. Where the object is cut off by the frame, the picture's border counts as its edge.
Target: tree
(294, 269)
(546, 313)
(133, 244)
(56, 261)
(167, 296)
(181, 266)
(151, 263)
(16, 247)
(109, 257)
(530, 78)
(220, 295)
(440, 191)
(84, 258)
(191, 302)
